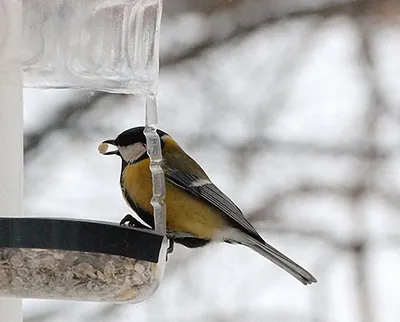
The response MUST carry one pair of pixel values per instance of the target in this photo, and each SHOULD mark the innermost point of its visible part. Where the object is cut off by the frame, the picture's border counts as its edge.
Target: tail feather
(277, 258)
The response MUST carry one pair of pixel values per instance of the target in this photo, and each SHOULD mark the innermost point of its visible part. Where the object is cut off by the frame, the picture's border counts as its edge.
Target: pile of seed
(42, 273)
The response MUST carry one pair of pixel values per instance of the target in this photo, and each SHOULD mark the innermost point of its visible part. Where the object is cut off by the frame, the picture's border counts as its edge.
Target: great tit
(195, 206)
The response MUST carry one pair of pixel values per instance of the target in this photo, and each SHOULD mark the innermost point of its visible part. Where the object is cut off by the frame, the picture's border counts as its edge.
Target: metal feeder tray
(67, 259)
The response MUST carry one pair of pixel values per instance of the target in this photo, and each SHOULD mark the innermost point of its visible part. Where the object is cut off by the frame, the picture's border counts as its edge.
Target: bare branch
(257, 144)
(366, 172)
(71, 110)
(242, 31)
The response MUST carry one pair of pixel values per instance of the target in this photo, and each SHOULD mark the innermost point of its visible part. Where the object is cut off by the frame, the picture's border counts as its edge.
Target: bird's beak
(112, 142)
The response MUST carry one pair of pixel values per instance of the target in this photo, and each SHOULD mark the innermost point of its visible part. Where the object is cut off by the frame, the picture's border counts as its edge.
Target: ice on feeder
(92, 44)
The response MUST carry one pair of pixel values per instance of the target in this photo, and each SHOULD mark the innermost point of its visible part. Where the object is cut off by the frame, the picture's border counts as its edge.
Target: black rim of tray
(80, 235)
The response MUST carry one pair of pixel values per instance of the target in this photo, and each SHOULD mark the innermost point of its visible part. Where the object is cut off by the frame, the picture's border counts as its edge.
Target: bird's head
(130, 145)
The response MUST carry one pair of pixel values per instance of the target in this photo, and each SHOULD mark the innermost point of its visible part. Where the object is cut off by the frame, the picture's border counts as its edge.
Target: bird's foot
(170, 248)
(130, 221)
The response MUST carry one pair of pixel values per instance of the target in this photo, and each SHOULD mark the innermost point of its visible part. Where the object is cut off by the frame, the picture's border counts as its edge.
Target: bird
(197, 211)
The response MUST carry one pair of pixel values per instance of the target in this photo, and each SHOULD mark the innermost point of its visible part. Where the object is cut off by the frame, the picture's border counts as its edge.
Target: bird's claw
(170, 248)
(130, 221)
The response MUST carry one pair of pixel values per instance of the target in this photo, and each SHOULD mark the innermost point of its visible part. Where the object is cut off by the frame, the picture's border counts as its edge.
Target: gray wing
(205, 189)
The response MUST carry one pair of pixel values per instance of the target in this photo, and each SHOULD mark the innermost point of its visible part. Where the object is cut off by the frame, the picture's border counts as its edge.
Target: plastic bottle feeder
(97, 45)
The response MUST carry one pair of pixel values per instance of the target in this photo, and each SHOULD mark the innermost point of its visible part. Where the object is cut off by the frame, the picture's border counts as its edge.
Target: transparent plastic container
(107, 45)
(46, 258)
(102, 45)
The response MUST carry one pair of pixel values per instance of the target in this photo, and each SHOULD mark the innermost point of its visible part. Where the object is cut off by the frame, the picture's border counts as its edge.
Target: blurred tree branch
(243, 31)
(366, 172)
(262, 143)
(71, 109)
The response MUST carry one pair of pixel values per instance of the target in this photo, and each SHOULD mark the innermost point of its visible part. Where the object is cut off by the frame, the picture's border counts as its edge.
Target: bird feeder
(100, 45)
(78, 260)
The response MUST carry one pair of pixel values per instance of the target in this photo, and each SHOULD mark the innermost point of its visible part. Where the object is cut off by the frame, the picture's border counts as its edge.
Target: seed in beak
(103, 147)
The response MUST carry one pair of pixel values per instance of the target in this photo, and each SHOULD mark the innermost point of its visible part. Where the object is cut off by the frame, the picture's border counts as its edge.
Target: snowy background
(293, 109)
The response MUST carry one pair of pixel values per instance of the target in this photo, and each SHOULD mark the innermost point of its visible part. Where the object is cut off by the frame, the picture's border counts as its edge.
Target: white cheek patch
(200, 182)
(132, 152)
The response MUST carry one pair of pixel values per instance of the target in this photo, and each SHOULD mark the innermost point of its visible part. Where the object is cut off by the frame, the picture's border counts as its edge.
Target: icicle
(155, 155)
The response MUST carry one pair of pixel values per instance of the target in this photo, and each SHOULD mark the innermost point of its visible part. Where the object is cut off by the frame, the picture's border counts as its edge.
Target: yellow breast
(185, 213)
